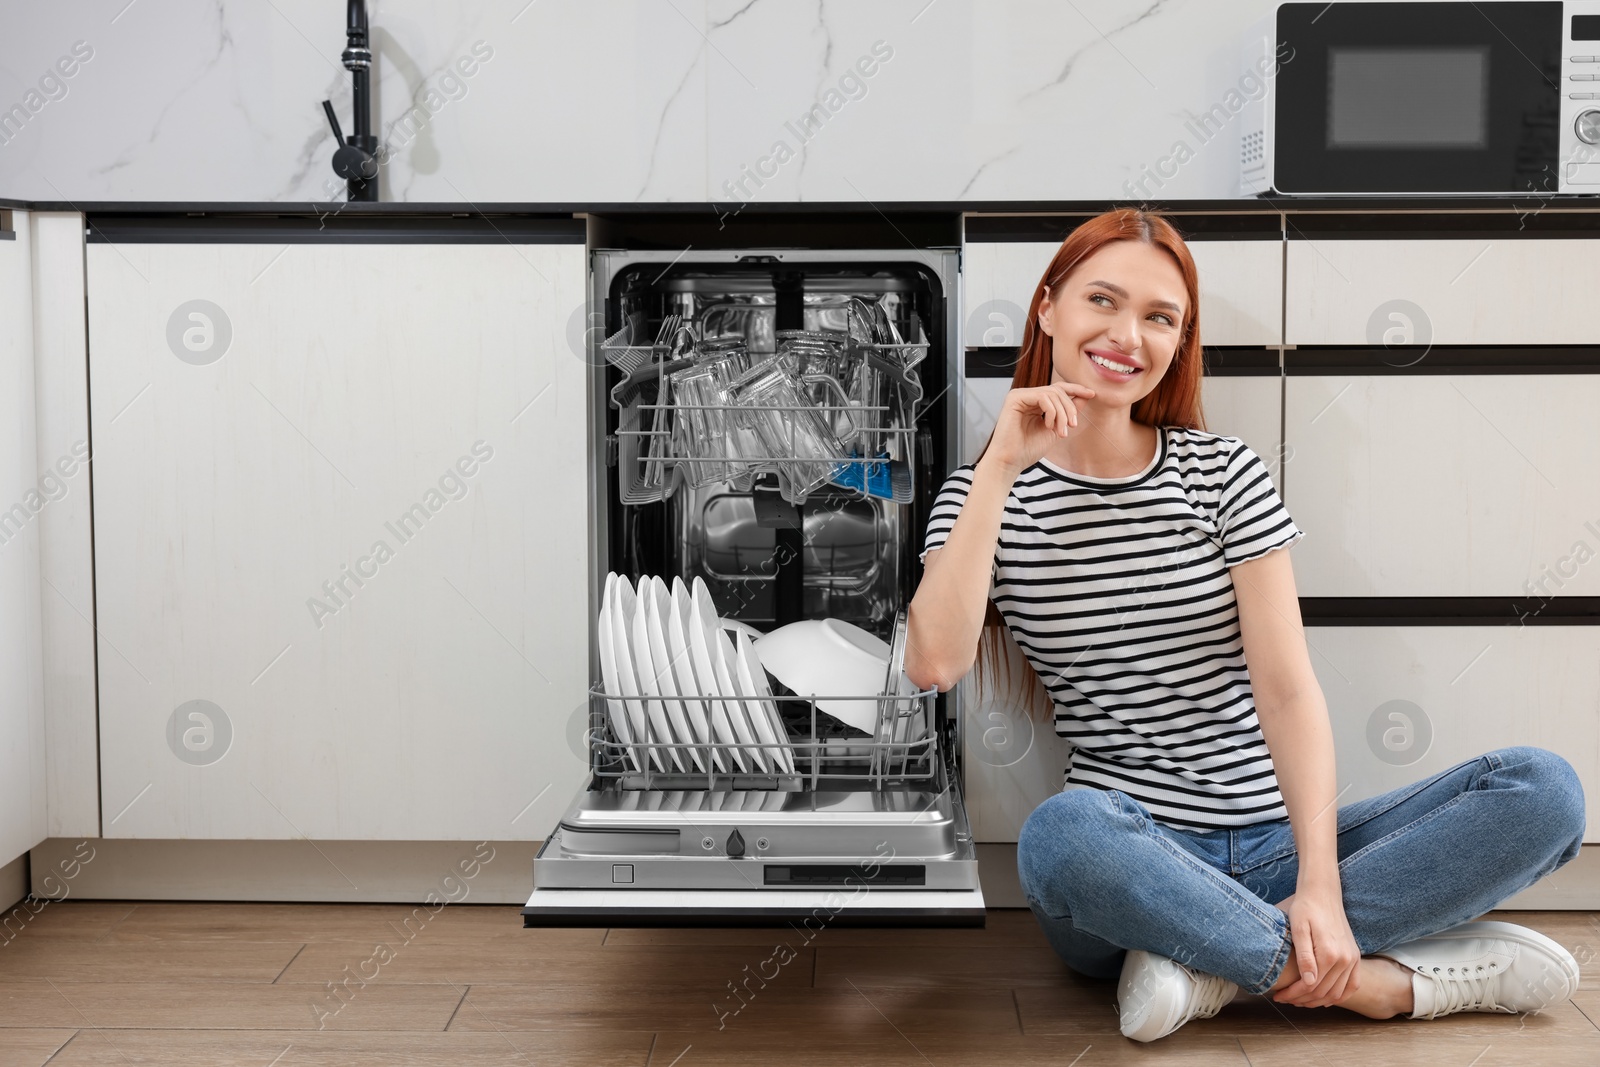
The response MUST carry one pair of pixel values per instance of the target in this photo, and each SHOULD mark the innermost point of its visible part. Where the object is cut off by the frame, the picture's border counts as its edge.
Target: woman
(1197, 849)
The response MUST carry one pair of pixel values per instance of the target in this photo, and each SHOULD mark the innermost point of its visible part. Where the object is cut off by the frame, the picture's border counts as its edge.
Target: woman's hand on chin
(1031, 421)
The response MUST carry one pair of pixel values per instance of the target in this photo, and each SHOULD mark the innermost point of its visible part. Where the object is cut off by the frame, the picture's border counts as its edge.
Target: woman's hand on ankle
(1324, 946)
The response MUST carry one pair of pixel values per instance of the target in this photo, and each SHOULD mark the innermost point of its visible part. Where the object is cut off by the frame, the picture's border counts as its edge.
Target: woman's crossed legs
(1103, 877)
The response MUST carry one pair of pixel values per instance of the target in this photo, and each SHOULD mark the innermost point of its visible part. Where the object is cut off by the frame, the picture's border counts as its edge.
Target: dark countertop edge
(1251, 205)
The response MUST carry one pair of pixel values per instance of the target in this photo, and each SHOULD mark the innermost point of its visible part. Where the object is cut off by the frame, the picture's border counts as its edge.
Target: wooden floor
(284, 985)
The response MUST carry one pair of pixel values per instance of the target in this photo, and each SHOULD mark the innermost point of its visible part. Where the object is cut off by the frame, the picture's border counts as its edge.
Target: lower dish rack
(745, 742)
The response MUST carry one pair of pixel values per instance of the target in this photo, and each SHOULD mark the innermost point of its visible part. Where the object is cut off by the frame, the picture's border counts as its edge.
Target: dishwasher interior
(853, 825)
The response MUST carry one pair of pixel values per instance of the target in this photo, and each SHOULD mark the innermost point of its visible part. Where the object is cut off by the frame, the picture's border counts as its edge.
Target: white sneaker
(1487, 966)
(1157, 995)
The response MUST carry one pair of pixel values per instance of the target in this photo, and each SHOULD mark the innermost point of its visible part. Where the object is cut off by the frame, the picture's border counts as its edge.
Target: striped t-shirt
(1117, 590)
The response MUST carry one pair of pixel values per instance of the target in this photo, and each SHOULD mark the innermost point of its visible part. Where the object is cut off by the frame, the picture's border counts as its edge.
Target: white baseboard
(1575, 887)
(405, 872)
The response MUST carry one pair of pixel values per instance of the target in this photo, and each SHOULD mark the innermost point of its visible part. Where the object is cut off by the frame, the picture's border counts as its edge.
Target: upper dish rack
(827, 408)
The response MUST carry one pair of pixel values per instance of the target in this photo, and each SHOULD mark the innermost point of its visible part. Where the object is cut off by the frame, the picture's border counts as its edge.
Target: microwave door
(1407, 97)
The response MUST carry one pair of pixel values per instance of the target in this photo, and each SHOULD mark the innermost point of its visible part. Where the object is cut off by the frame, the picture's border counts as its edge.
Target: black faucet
(356, 160)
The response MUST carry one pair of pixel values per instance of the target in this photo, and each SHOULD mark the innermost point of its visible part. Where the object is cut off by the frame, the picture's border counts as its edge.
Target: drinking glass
(789, 428)
(699, 393)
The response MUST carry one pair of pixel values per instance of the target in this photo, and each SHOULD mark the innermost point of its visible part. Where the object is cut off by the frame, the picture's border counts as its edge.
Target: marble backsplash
(607, 101)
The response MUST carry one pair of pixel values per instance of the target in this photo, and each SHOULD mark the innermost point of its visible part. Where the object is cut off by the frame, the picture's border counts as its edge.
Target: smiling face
(1116, 321)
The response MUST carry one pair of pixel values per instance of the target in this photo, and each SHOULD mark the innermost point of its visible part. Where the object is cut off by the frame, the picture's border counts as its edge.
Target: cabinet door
(1405, 702)
(1444, 485)
(1241, 290)
(340, 538)
(1011, 762)
(1517, 291)
(1409, 701)
(24, 493)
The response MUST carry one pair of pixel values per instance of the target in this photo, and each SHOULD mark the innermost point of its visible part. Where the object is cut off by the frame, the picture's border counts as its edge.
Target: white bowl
(832, 658)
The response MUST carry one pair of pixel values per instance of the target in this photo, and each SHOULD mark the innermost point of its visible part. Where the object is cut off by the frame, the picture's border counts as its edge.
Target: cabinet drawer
(1444, 485)
(1241, 287)
(1244, 407)
(1407, 702)
(1472, 292)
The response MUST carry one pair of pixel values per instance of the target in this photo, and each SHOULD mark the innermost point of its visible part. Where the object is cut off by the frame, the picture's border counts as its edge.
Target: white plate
(739, 626)
(764, 713)
(898, 729)
(722, 712)
(679, 619)
(751, 666)
(660, 733)
(618, 712)
(624, 607)
(738, 710)
(666, 673)
(710, 628)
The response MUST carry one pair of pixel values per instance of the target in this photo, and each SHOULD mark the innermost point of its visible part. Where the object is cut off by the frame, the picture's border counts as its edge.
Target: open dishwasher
(858, 824)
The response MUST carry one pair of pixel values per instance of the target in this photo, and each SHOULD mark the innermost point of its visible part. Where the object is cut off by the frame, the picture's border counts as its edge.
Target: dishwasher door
(901, 855)
(753, 851)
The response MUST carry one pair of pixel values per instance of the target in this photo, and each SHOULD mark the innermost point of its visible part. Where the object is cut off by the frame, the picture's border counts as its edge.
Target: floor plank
(64, 920)
(242, 1006)
(31, 1047)
(797, 1011)
(598, 968)
(932, 965)
(208, 1048)
(1004, 927)
(913, 1050)
(222, 961)
(1588, 1002)
(1410, 1042)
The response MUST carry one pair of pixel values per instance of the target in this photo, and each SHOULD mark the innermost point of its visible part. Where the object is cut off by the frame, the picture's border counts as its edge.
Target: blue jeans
(1102, 876)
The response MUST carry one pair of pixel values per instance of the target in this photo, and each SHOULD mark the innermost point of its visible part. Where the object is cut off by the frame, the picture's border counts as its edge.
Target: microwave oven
(1424, 98)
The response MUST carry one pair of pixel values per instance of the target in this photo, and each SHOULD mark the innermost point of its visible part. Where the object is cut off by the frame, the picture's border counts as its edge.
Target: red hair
(1175, 401)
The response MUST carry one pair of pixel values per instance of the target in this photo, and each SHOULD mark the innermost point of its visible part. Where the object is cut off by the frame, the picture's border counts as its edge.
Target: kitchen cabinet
(1505, 290)
(1410, 701)
(1444, 484)
(24, 494)
(1413, 480)
(339, 536)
